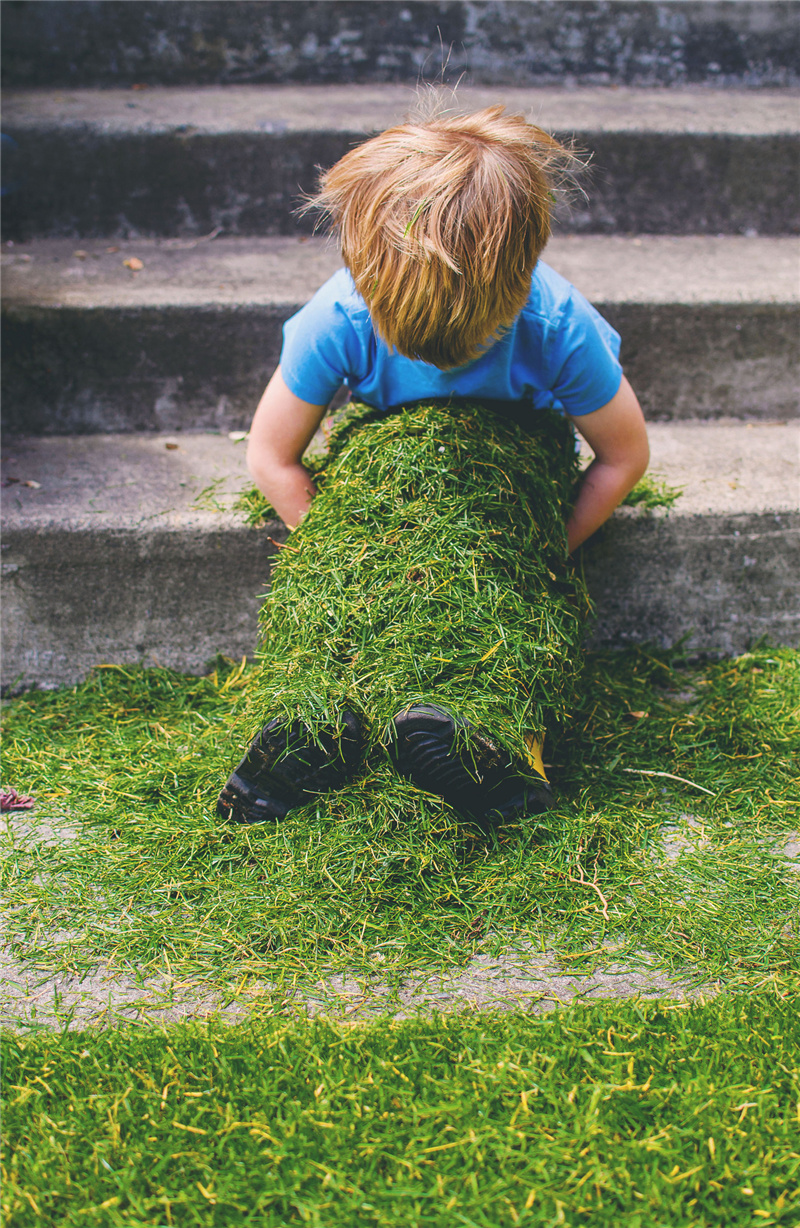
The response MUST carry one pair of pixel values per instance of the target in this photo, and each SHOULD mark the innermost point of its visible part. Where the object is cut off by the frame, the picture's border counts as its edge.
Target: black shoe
(519, 797)
(441, 754)
(285, 765)
(444, 755)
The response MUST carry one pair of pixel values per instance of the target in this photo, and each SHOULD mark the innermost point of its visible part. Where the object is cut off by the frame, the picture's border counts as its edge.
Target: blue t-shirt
(558, 353)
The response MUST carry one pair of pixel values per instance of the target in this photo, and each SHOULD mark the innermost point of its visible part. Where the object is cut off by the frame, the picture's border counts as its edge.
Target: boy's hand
(282, 429)
(617, 435)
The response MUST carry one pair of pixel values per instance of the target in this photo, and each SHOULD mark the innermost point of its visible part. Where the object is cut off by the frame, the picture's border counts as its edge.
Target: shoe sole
(477, 778)
(444, 755)
(532, 798)
(284, 766)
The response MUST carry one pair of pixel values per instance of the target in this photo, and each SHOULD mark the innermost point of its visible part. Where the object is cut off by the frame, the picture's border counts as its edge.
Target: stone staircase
(178, 137)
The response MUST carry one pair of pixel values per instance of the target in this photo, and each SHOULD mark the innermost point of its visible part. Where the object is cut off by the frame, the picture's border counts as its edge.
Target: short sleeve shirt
(559, 353)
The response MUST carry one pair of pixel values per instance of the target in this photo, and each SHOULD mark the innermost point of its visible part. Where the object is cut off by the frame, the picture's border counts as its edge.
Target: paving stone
(111, 996)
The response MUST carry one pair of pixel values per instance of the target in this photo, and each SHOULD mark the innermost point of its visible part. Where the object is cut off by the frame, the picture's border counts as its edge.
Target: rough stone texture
(172, 162)
(363, 109)
(107, 561)
(720, 581)
(113, 563)
(646, 269)
(663, 43)
(721, 569)
(708, 325)
(109, 996)
(791, 849)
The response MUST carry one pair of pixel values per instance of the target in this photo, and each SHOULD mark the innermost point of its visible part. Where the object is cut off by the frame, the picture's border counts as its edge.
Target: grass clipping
(433, 567)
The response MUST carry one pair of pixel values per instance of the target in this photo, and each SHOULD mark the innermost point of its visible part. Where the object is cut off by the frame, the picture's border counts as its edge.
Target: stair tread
(112, 559)
(135, 482)
(283, 271)
(281, 109)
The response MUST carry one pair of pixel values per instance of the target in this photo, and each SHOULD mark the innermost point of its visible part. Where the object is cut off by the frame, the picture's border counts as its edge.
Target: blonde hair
(441, 222)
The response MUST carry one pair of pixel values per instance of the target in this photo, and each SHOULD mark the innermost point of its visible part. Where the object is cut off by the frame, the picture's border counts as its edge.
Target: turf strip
(614, 1113)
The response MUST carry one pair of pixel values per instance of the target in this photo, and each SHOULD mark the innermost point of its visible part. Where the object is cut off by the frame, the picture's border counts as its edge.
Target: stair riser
(79, 182)
(722, 582)
(75, 599)
(81, 598)
(68, 370)
(515, 43)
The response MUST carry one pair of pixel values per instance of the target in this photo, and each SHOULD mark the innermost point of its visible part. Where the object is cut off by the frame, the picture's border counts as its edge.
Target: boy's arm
(617, 435)
(282, 429)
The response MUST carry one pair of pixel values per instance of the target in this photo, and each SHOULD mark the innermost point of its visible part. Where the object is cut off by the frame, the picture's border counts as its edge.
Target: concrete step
(668, 43)
(121, 553)
(709, 325)
(183, 161)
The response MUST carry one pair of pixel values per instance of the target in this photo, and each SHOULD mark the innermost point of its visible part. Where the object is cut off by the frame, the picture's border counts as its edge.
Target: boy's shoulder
(339, 293)
(558, 344)
(551, 296)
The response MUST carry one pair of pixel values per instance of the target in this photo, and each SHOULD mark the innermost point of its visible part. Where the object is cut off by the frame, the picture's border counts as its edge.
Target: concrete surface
(363, 109)
(108, 995)
(106, 560)
(691, 269)
(723, 567)
(114, 563)
(650, 43)
(183, 161)
(525, 978)
(709, 325)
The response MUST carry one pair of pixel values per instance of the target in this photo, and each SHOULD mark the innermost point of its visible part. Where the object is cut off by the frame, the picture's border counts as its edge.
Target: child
(443, 299)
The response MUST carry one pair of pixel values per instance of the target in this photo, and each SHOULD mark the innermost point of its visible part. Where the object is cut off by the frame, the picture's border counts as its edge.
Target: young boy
(441, 223)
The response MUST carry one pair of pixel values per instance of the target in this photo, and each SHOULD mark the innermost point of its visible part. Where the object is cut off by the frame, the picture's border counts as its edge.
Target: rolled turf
(431, 567)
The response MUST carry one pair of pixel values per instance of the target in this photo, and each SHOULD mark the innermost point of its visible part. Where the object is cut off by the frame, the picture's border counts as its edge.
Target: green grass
(611, 1114)
(614, 1114)
(431, 566)
(135, 759)
(651, 492)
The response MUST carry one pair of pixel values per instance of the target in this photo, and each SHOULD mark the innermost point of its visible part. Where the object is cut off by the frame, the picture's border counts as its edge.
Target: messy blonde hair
(441, 222)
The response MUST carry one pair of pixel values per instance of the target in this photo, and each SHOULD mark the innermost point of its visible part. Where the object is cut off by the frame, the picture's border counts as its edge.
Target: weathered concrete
(522, 977)
(648, 269)
(107, 560)
(720, 581)
(109, 996)
(664, 43)
(709, 325)
(723, 568)
(219, 111)
(171, 162)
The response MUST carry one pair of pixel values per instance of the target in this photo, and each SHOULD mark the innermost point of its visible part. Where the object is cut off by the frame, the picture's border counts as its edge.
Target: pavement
(523, 978)
(109, 995)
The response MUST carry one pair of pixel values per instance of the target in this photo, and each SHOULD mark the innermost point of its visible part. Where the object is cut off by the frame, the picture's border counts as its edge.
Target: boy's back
(558, 353)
